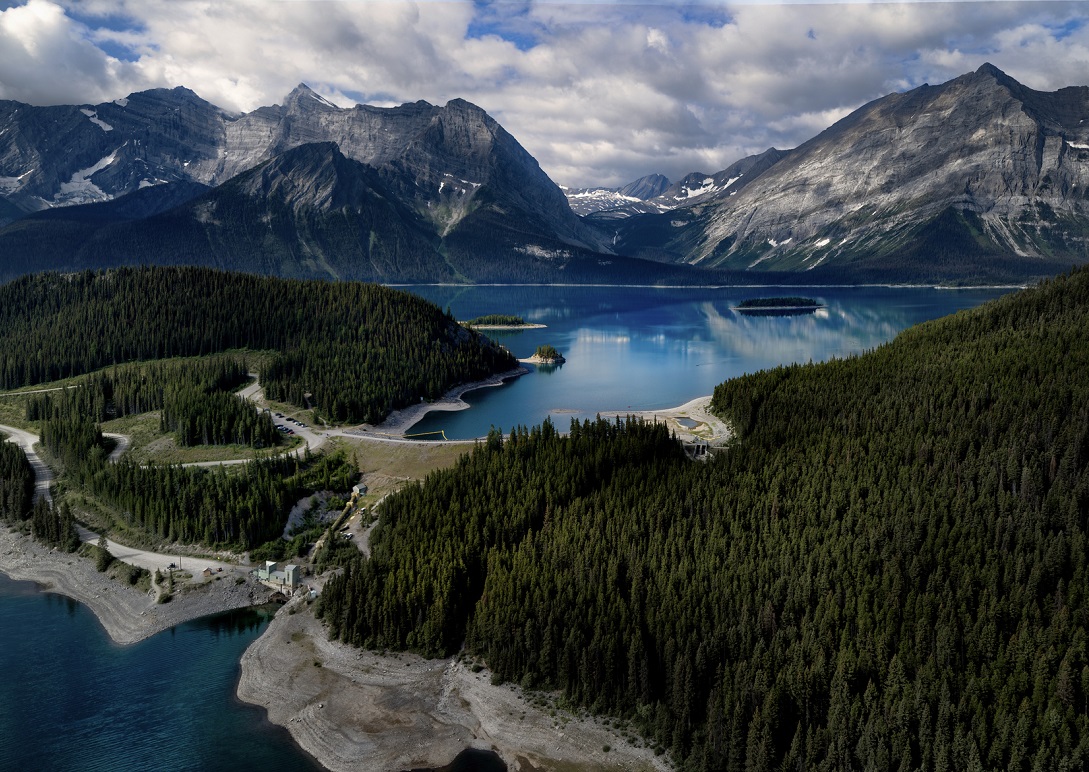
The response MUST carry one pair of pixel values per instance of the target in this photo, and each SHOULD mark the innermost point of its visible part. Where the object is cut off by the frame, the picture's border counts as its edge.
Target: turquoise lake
(644, 348)
(70, 699)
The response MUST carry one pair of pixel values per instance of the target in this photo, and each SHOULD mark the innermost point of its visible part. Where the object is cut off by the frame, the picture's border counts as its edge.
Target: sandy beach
(705, 426)
(358, 710)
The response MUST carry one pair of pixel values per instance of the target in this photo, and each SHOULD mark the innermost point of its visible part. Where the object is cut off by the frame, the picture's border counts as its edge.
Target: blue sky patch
(112, 23)
(509, 21)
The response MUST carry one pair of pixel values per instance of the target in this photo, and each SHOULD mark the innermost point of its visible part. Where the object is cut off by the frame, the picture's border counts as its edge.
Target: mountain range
(303, 189)
(976, 179)
(979, 179)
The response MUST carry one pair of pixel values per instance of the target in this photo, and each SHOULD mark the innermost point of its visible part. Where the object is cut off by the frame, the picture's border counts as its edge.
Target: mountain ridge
(436, 158)
(976, 180)
(892, 189)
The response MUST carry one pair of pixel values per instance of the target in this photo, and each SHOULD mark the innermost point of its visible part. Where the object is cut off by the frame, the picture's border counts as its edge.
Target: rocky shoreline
(399, 422)
(357, 710)
(350, 709)
(127, 614)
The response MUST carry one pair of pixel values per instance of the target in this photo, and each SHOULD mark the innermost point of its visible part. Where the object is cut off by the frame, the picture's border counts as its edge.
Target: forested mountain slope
(358, 350)
(886, 571)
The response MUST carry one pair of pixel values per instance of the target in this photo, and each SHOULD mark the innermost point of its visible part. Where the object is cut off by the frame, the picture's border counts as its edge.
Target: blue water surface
(71, 699)
(645, 348)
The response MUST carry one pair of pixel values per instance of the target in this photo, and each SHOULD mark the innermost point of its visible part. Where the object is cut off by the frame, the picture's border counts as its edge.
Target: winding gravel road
(43, 475)
(158, 560)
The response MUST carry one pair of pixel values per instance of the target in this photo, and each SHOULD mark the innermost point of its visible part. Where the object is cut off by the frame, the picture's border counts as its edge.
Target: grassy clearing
(151, 444)
(388, 466)
(13, 411)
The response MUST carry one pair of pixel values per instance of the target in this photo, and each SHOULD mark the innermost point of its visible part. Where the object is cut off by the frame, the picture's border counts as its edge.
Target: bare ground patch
(357, 710)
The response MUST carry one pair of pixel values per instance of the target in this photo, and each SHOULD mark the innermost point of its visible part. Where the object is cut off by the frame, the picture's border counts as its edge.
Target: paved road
(43, 475)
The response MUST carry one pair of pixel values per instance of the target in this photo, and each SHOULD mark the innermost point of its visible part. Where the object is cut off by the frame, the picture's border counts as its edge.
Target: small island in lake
(778, 306)
(501, 322)
(546, 355)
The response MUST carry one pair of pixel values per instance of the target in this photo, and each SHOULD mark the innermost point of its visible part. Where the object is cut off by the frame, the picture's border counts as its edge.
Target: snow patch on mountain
(92, 116)
(539, 252)
(322, 100)
(80, 189)
(686, 192)
(12, 184)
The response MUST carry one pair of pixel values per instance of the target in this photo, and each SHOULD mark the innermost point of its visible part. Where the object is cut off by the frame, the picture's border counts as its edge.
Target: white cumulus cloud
(599, 93)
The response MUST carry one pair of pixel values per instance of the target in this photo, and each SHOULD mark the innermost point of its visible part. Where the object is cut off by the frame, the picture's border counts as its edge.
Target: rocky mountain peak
(304, 99)
(990, 70)
(647, 187)
(980, 164)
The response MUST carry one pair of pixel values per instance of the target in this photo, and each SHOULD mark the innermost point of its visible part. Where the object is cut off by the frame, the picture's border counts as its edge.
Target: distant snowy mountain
(695, 187)
(585, 201)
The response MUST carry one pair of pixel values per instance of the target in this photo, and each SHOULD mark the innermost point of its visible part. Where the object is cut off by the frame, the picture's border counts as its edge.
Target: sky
(600, 93)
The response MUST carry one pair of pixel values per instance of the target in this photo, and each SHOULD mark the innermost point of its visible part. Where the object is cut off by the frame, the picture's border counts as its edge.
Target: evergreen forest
(886, 569)
(237, 508)
(16, 483)
(193, 396)
(53, 526)
(353, 352)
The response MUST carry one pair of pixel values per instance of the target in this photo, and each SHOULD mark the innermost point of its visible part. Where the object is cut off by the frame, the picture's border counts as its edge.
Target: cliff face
(57, 156)
(436, 159)
(981, 165)
(981, 143)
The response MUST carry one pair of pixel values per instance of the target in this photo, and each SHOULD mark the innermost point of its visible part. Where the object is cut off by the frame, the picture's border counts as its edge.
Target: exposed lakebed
(82, 702)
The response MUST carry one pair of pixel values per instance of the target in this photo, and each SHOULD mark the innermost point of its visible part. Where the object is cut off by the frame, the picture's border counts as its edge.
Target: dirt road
(43, 475)
(158, 560)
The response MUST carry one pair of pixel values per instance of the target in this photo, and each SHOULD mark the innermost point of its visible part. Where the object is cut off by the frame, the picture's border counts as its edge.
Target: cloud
(47, 58)
(599, 93)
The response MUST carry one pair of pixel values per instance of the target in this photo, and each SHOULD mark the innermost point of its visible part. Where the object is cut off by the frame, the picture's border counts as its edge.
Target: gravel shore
(357, 710)
(399, 422)
(128, 614)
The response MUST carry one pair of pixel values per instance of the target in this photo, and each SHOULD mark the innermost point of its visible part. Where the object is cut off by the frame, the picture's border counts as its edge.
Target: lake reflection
(641, 348)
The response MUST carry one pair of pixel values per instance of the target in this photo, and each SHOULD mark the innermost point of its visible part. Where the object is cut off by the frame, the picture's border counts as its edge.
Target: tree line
(887, 569)
(193, 396)
(16, 483)
(50, 525)
(352, 351)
